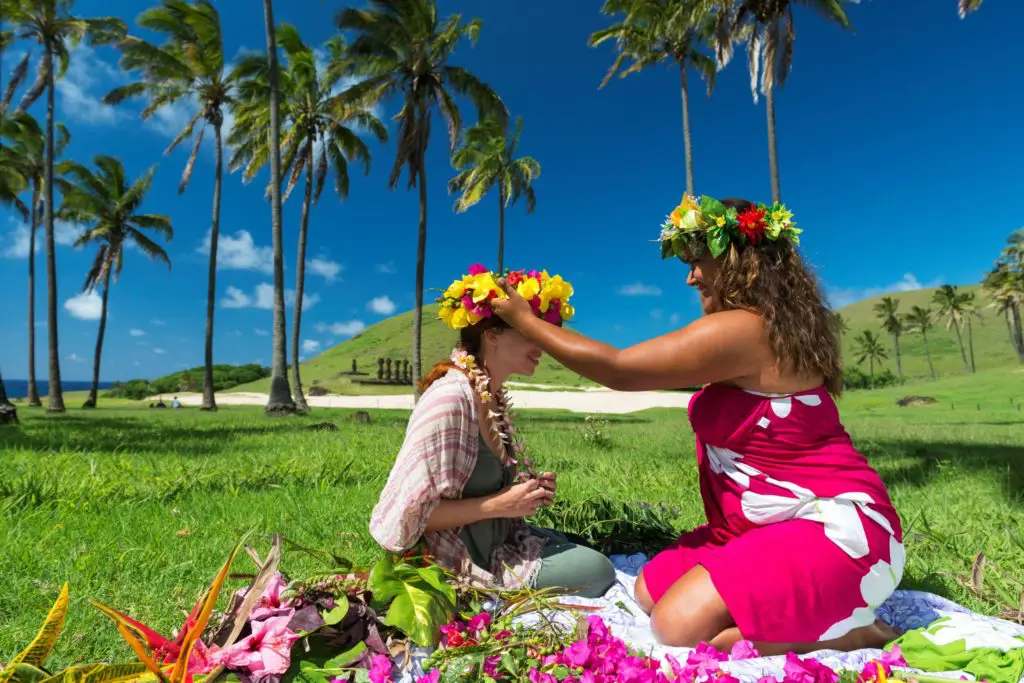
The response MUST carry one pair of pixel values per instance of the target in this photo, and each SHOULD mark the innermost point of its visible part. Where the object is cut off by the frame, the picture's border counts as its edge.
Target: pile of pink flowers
(600, 657)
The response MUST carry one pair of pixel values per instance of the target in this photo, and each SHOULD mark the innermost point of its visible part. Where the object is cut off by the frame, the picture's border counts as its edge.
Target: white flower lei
(513, 451)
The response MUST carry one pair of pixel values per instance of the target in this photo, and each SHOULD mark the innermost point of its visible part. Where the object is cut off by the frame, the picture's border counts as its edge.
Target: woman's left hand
(512, 309)
(548, 480)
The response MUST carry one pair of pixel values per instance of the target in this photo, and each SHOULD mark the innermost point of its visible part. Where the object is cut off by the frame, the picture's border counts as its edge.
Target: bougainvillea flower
(380, 670)
(477, 269)
(743, 649)
(808, 670)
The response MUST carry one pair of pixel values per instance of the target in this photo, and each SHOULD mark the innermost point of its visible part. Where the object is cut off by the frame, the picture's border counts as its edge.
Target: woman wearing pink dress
(802, 543)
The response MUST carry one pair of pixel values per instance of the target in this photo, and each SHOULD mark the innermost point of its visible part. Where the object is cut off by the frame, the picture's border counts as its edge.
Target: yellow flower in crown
(528, 287)
(553, 289)
(456, 289)
(483, 285)
(468, 301)
(687, 216)
(568, 312)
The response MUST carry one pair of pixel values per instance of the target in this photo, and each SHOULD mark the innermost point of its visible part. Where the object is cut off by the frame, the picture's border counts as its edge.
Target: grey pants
(579, 570)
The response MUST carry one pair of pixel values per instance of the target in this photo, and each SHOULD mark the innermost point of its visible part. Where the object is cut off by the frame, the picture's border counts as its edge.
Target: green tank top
(488, 477)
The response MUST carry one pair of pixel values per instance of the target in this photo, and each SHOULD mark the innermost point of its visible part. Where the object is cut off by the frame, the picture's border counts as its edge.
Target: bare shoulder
(735, 326)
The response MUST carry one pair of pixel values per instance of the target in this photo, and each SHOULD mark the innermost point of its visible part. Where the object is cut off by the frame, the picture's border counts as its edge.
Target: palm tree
(768, 29)
(920, 320)
(8, 411)
(403, 48)
(965, 7)
(887, 311)
(187, 67)
(51, 24)
(105, 200)
(657, 32)
(869, 348)
(23, 151)
(950, 302)
(841, 325)
(1005, 289)
(321, 134)
(488, 157)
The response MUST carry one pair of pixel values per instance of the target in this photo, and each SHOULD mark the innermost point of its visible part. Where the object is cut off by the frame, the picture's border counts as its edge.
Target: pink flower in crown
(534, 274)
(477, 269)
(553, 316)
(808, 670)
(743, 649)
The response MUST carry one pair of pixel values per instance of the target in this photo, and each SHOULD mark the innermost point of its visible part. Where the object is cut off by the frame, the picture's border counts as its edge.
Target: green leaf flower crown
(694, 227)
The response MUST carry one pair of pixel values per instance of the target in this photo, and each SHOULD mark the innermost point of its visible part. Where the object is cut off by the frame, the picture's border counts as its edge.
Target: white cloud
(639, 289)
(75, 358)
(381, 305)
(345, 329)
(85, 306)
(259, 332)
(136, 364)
(81, 90)
(657, 313)
(135, 332)
(263, 298)
(239, 252)
(674, 319)
(16, 244)
(158, 351)
(388, 268)
(310, 346)
(325, 268)
(157, 322)
(235, 298)
(908, 283)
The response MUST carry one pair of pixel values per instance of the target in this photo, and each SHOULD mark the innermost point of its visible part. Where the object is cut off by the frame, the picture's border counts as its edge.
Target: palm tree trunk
(280, 401)
(209, 402)
(928, 354)
(960, 341)
(33, 389)
(55, 390)
(970, 344)
(501, 228)
(899, 359)
(300, 285)
(687, 137)
(773, 158)
(871, 365)
(421, 253)
(8, 412)
(95, 390)
(1018, 335)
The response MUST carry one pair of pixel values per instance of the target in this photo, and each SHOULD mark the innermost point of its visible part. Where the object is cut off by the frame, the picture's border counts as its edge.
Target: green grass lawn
(137, 508)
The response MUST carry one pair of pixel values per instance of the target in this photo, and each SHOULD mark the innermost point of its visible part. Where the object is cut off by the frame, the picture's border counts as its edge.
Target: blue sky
(900, 150)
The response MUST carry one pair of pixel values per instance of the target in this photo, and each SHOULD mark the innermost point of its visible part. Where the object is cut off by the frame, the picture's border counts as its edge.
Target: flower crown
(467, 300)
(695, 226)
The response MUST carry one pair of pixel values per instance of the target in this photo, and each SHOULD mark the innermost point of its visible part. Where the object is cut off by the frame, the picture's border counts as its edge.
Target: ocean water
(18, 388)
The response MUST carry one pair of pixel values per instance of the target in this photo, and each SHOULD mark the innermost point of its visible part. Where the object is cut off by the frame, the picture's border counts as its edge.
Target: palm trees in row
(50, 24)
(659, 31)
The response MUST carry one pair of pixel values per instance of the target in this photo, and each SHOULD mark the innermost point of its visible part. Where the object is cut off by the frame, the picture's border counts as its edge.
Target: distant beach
(18, 388)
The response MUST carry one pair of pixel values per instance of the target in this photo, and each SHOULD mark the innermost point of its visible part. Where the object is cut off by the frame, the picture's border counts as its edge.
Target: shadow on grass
(931, 459)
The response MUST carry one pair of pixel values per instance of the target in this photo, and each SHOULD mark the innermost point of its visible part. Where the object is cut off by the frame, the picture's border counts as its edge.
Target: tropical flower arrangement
(696, 226)
(348, 624)
(467, 300)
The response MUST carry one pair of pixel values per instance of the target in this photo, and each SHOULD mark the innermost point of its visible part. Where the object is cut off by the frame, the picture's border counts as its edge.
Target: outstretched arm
(715, 348)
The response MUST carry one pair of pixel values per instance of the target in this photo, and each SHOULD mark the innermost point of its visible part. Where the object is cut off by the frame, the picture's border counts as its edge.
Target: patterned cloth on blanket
(905, 610)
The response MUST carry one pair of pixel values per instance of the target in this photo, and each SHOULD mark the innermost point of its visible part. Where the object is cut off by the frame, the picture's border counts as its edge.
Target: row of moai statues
(394, 371)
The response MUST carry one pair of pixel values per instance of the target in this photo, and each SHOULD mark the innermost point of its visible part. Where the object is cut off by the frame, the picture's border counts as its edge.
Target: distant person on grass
(462, 482)
(175, 403)
(802, 542)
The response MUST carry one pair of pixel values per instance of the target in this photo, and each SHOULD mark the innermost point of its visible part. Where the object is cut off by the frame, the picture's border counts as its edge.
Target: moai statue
(380, 369)
(387, 371)
(407, 371)
(355, 368)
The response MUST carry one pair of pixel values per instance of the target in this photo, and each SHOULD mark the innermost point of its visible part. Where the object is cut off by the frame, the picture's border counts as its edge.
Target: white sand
(594, 402)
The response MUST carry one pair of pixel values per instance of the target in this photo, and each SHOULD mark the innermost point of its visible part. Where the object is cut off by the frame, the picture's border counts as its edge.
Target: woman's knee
(690, 612)
(600, 576)
(642, 595)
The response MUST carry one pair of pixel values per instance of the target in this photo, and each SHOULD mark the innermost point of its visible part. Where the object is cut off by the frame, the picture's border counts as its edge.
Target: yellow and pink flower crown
(467, 300)
(694, 227)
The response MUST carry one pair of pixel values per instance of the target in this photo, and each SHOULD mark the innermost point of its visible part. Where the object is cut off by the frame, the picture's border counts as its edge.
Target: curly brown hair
(772, 280)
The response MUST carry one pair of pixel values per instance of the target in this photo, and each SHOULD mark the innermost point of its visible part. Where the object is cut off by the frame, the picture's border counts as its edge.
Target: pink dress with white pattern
(802, 541)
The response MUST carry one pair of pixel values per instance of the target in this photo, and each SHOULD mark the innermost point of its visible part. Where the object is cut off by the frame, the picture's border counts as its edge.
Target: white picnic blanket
(905, 610)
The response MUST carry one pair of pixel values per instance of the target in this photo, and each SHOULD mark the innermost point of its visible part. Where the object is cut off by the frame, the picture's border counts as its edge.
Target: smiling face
(507, 352)
(702, 276)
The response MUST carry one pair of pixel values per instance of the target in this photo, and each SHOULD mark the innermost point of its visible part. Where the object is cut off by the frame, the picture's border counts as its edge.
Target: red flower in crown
(514, 277)
(752, 224)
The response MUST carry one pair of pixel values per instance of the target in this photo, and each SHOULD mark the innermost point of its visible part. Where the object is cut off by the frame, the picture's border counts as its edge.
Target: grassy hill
(392, 338)
(992, 347)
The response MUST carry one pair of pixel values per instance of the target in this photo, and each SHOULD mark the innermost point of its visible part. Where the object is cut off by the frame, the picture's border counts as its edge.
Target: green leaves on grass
(420, 599)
